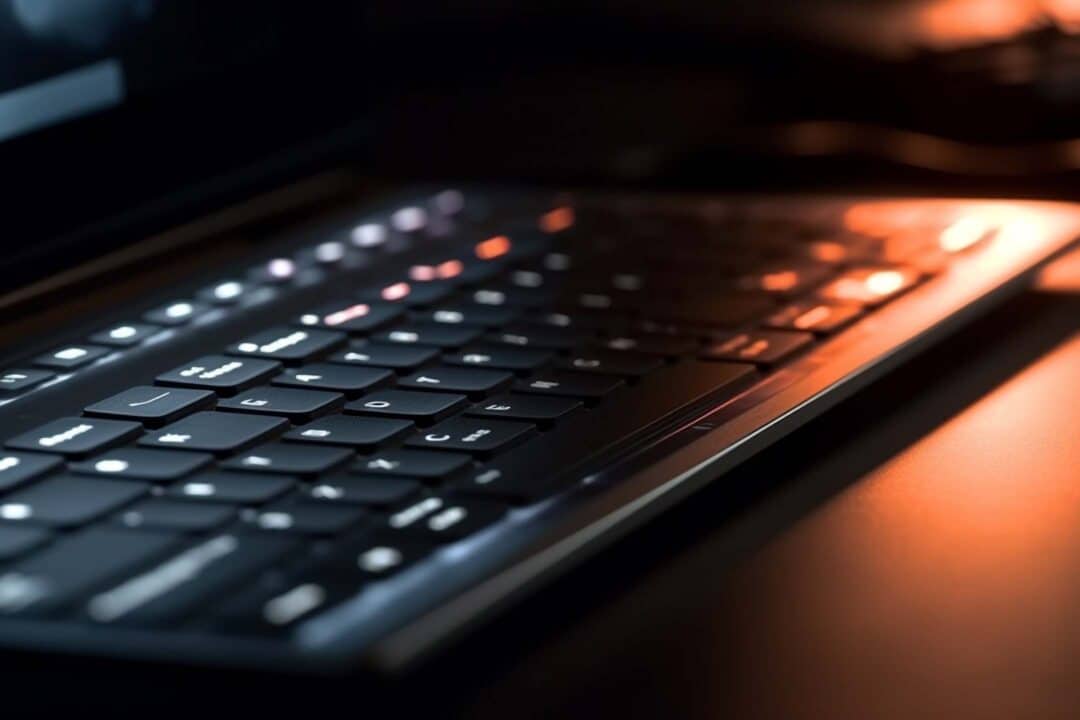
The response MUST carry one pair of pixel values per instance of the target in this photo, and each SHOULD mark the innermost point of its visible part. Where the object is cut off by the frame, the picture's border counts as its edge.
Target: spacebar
(554, 460)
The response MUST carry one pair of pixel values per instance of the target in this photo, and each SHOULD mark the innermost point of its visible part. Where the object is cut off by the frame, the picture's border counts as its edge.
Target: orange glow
(449, 269)
(963, 233)
(812, 317)
(828, 251)
(779, 281)
(349, 313)
(422, 273)
(395, 291)
(557, 220)
(493, 247)
(884, 282)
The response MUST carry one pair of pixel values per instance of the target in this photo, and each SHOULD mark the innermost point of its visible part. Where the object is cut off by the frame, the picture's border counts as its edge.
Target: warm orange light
(557, 220)
(779, 281)
(963, 233)
(395, 291)
(449, 269)
(812, 317)
(349, 313)
(828, 251)
(422, 273)
(493, 247)
(884, 282)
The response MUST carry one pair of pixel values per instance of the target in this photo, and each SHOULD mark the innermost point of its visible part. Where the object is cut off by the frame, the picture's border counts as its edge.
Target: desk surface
(936, 574)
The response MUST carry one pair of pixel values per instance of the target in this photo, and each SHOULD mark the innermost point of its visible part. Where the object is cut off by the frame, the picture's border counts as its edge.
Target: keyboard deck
(267, 455)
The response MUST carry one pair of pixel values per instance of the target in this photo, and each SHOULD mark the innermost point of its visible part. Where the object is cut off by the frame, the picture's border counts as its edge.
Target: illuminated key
(870, 286)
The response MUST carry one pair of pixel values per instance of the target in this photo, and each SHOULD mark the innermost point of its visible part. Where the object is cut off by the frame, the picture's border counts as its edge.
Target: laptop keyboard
(266, 480)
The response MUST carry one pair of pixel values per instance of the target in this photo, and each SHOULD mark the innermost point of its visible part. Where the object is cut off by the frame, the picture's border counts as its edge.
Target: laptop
(261, 411)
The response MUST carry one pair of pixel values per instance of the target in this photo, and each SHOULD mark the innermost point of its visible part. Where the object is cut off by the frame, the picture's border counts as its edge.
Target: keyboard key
(350, 381)
(786, 280)
(397, 357)
(70, 357)
(297, 405)
(566, 384)
(818, 317)
(180, 312)
(176, 515)
(143, 464)
(433, 334)
(356, 432)
(538, 336)
(68, 569)
(267, 607)
(288, 345)
(533, 408)
(226, 375)
(215, 432)
(226, 292)
(870, 285)
(16, 540)
(428, 466)
(502, 358)
(285, 459)
(352, 317)
(17, 468)
(761, 347)
(624, 364)
(125, 335)
(152, 406)
(228, 487)
(476, 435)
(309, 518)
(67, 500)
(458, 380)
(416, 406)
(186, 580)
(470, 314)
(76, 436)
(412, 294)
(651, 344)
(18, 380)
(716, 311)
(368, 490)
(447, 519)
(380, 554)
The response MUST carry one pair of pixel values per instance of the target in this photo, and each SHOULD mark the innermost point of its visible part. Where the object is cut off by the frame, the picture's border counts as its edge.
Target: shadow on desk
(938, 576)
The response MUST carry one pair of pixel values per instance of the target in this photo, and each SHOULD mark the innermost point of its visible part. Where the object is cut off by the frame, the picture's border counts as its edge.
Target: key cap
(187, 579)
(268, 607)
(308, 518)
(18, 468)
(470, 314)
(786, 280)
(143, 464)
(65, 500)
(428, 466)
(623, 364)
(538, 336)
(215, 432)
(365, 490)
(762, 347)
(76, 564)
(179, 312)
(70, 357)
(75, 437)
(475, 435)
(458, 380)
(719, 310)
(566, 384)
(870, 286)
(297, 405)
(432, 334)
(16, 540)
(379, 554)
(125, 334)
(668, 346)
(357, 432)
(228, 487)
(226, 292)
(532, 408)
(152, 406)
(412, 294)
(502, 358)
(818, 317)
(416, 406)
(299, 460)
(19, 380)
(176, 515)
(448, 519)
(288, 345)
(352, 317)
(398, 357)
(350, 381)
(226, 375)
